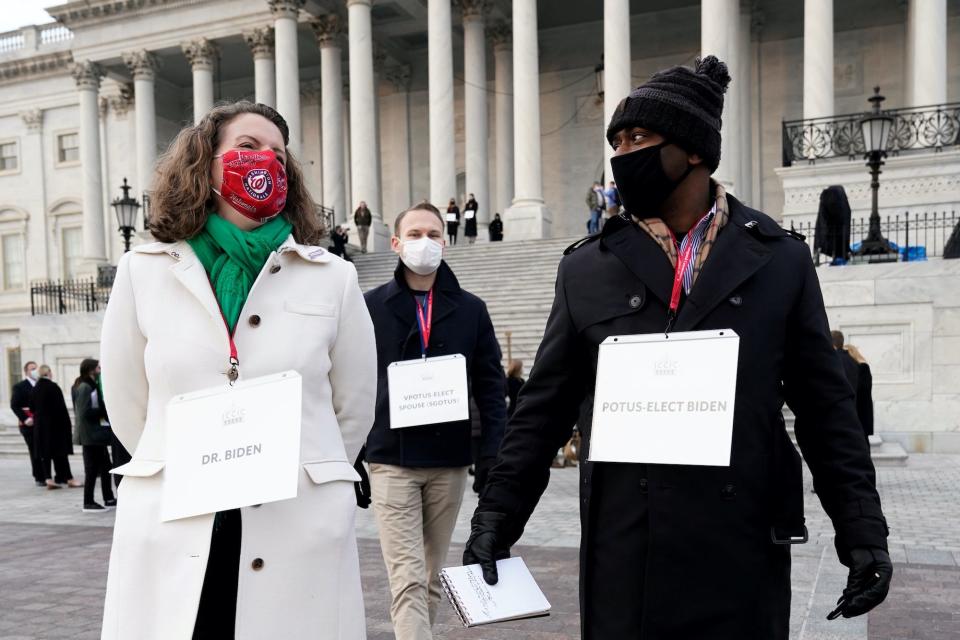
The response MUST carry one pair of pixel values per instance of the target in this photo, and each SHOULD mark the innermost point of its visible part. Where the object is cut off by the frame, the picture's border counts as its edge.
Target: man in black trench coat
(691, 552)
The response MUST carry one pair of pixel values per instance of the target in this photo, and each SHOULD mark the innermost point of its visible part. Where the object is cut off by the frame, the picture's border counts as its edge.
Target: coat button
(736, 300)
(643, 486)
(257, 564)
(728, 491)
(254, 320)
(635, 301)
(275, 268)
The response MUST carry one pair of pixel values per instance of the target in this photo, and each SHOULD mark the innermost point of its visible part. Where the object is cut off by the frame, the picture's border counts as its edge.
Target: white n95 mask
(422, 256)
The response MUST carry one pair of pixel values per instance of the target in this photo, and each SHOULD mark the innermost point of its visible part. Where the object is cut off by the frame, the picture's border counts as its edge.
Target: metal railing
(55, 297)
(914, 128)
(916, 236)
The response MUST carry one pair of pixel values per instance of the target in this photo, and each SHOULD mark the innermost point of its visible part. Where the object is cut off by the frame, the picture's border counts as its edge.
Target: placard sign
(666, 400)
(231, 447)
(428, 391)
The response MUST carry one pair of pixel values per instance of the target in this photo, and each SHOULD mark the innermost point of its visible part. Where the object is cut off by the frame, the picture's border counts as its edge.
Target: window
(71, 250)
(14, 372)
(9, 158)
(68, 148)
(11, 248)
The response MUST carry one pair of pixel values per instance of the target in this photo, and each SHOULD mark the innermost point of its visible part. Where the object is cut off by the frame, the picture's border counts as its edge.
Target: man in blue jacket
(418, 473)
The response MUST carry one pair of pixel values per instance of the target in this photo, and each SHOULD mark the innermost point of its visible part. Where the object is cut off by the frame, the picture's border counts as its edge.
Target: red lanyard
(683, 261)
(424, 324)
(234, 371)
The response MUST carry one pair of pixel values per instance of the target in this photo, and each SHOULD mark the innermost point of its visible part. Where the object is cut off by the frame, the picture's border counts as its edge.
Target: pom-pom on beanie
(681, 104)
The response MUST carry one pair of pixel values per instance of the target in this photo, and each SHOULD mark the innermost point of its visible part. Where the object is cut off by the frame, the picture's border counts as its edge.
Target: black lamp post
(126, 209)
(875, 127)
(598, 76)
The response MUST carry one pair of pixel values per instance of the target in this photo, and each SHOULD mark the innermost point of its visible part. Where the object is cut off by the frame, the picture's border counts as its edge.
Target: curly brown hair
(182, 196)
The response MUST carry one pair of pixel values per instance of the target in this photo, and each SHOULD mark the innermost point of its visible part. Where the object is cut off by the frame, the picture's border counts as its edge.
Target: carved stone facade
(200, 53)
(329, 29)
(260, 41)
(143, 64)
(87, 75)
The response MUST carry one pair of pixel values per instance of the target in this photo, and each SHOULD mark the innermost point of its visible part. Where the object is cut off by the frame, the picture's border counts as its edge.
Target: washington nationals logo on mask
(258, 184)
(254, 183)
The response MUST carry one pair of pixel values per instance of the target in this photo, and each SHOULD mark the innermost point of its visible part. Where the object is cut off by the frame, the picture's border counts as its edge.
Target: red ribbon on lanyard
(425, 324)
(234, 371)
(683, 261)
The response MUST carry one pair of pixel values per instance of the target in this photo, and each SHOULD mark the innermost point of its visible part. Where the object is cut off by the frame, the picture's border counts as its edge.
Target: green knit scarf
(233, 258)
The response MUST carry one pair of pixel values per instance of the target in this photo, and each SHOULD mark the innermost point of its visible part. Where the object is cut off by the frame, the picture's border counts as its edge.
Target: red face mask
(254, 183)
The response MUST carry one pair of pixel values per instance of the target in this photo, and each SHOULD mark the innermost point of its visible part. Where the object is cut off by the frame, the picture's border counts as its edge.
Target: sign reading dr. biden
(231, 447)
(666, 399)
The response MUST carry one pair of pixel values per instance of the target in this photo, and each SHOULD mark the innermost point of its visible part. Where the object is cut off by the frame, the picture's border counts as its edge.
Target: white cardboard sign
(666, 399)
(428, 391)
(231, 447)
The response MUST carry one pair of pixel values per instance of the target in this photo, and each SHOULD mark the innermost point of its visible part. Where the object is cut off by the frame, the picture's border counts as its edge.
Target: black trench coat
(52, 428)
(711, 568)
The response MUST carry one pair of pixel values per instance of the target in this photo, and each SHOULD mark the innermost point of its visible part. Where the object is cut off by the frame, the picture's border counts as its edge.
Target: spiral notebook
(515, 596)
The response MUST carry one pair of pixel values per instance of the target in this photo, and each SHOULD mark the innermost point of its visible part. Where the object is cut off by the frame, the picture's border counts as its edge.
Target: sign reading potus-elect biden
(232, 447)
(666, 399)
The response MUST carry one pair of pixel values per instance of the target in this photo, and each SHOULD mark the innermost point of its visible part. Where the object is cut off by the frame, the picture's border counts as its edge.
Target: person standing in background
(496, 229)
(470, 219)
(52, 431)
(93, 433)
(362, 218)
(514, 384)
(595, 204)
(418, 473)
(20, 405)
(453, 221)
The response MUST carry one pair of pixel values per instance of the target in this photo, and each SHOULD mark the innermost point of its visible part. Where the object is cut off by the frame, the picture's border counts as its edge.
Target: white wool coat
(163, 335)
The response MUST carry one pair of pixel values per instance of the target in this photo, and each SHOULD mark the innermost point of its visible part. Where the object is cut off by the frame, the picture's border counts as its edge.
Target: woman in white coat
(238, 234)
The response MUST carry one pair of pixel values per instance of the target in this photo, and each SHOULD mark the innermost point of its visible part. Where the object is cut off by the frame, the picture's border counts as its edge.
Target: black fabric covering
(832, 233)
(681, 104)
(952, 249)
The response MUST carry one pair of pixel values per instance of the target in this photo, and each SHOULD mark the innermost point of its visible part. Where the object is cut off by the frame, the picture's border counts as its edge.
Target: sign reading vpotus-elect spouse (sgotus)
(666, 399)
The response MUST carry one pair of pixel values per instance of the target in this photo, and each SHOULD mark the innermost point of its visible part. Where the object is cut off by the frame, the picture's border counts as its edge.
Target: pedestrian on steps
(418, 473)
(362, 218)
(52, 431)
(453, 221)
(496, 229)
(470, 219)
(236, 288)
(93, 433)
(20, 405)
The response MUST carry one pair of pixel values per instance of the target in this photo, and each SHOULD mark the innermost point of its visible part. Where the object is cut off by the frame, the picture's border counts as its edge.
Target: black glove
(867, 585)
(486, 543)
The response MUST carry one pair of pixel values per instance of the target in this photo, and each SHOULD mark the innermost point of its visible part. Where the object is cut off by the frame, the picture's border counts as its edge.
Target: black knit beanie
(681, 104)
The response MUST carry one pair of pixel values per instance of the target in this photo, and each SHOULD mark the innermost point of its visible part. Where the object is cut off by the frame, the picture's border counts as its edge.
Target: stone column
(927, 39)
(398, 129)
(364, 147)
(475, 108)
(443, 169)
(817, 58)
(719, 35)
(329, 31)
(87, 75)
(616, 65)
(260, 41)
(528, 217)
(143, 65)
(32, 154)
(285, 14)
(503, 111)
(744, 82)
(201, 54)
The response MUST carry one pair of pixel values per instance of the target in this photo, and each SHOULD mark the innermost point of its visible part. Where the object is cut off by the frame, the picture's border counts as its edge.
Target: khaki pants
(363, 231)
(416, 510)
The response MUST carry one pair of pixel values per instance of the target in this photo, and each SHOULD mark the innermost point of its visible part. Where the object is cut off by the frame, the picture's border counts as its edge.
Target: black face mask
(641, 181)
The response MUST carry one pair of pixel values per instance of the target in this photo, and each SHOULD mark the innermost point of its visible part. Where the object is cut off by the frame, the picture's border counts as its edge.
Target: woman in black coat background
(52, 430)
(453, 223)
(94, 434)
(470, 219)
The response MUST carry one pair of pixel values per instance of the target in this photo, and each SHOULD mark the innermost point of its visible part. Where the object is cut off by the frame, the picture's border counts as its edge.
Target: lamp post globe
(126, 209)
(875, 127)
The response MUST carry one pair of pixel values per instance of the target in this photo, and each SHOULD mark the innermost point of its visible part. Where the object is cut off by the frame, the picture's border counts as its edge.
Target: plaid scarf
(702, 236)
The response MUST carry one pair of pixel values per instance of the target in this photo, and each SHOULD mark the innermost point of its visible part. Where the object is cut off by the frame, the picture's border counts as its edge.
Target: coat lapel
(193, 277)
(641, 255)
(735, 256)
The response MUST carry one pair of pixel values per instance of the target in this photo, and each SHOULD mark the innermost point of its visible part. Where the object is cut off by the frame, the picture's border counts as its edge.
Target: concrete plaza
(54, 561)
